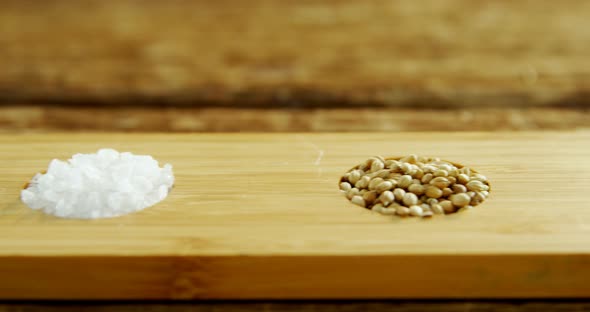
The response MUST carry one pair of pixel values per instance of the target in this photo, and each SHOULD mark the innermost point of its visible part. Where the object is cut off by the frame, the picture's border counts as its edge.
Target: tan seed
(429, 168)
(412, 159)
(383, 174)
(476, 186)
(427, 214)
(460, 200)
(402, 211)
(416, 211)
(463, 178)
(395, 176)
(426, 178)
(471, 193)
(425, 207)
(354, 177)
(477, 199)
(370, 197)
(345, 186)
(485, 193)
(447, 206)
(410, 199)
(419, 174)
(374, 182)
(437, 209)
(404, 181)
(447, 192)
(432, 201)
(417, 189)
(399, 194)
(433, 192)
(459, 188)
(393, 182)
(377, 165)
(479, 177)
(386, 197)
(441, 173)
(388, 211)
(396, 167)
(447, 167)
(377, 207)
(409, 169)
(384, 186)
(357, 200)
(363, 182)
(452, 180)
(366, 165)
(440, 182)
(465, 170)
(352, 192)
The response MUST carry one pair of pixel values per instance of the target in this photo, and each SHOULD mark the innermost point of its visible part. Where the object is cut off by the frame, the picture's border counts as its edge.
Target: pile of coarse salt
(101, 185)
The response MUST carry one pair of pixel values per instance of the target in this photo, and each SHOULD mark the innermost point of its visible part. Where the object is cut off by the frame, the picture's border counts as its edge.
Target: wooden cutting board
(260, 216)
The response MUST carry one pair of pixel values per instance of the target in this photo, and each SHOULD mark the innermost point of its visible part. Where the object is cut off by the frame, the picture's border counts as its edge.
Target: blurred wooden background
(314, 65)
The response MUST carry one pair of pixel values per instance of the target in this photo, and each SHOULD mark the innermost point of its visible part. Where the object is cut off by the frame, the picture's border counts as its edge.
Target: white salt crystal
(102, 185)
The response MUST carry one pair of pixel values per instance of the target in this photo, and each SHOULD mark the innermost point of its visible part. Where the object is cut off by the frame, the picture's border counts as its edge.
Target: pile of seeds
(415, 186)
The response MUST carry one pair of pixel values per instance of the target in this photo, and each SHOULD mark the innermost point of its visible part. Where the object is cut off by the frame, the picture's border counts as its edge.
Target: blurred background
(314, 65)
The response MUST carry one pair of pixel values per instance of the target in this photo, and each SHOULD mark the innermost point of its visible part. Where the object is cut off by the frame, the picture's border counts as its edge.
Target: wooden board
(260, 216)
(38, 118)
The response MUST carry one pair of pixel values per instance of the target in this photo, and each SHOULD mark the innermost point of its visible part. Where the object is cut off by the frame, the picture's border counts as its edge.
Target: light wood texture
(260, 216)
(296, 53)
(128, 118)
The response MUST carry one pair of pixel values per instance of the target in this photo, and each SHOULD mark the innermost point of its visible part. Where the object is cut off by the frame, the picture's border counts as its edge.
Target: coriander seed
(363, 182)
(460, 200)
(374, 182)
(459, 188)
(437, 209)
(433, 191)
(410, 199)
(370, 197)
(416, 211)
(387, 197)
(440, 182)
(402, 211)
(404, 181)
(399, 194)
(413, 185)
(354, 177)
(417, 189)
(384, 186)
(345, 186)
(357, 200)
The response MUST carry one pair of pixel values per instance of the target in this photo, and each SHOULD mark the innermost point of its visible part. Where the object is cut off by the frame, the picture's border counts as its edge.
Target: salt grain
(102, 185)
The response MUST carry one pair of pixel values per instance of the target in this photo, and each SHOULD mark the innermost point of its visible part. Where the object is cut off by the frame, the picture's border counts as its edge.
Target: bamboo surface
(260, 216)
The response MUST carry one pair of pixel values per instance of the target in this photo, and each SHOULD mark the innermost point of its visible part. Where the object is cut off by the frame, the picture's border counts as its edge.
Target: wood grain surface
(296, 53)
(126, 118)
(260, 216)
(306, 306)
